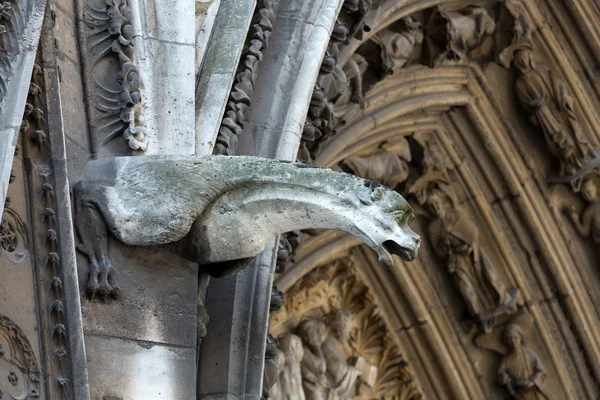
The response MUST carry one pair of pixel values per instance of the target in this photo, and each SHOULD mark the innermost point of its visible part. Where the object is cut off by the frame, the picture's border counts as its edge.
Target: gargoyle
(221, 211)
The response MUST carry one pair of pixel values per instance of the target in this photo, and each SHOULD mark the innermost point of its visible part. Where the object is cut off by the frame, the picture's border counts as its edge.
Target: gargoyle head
(387, 232)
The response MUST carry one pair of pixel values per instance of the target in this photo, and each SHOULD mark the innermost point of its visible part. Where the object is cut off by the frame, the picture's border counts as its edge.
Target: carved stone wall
(483, 114)
(359, 356)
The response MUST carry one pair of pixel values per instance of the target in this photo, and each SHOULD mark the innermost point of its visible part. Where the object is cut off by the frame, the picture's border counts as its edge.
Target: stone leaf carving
(118, 95)
(453, 34)
(19, 372)
(207, 207)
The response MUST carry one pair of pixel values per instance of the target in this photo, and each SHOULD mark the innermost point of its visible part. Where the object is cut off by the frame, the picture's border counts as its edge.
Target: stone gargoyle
(221, 211)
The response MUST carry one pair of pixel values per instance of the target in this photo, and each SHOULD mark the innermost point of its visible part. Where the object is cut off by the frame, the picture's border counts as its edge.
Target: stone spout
(215, 209)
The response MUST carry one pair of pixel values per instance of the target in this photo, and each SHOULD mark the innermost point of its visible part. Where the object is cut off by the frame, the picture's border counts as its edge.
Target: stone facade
(419, 218)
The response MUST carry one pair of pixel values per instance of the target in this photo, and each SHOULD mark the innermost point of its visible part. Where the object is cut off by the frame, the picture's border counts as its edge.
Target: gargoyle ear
(374, 194)
(365, 197)
(377, 193)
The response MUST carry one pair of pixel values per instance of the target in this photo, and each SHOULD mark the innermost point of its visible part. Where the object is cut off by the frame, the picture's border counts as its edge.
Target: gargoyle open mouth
(403, 252)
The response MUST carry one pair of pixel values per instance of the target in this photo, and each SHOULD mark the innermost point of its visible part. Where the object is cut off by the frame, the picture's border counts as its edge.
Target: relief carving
(454, 34)
(455, 239)
(397, 48)
(118, 91)
(19, 372)
(333, 343)
(389, 165)
(588, 223)
(13, 236)
(520, 370)
(198, 200)
(547, 100)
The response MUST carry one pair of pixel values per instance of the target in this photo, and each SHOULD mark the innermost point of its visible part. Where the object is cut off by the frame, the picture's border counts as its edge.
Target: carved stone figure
(314, 366)
(457, 33)
(205, 207)
(588, 225)
(290, 377)
(520, 370)
(389, 165)
(456, 240)
(547, 99)
(397, 48)
(341, 375)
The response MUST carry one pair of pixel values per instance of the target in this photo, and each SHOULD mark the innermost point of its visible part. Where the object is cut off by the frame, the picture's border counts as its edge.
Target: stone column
(232, 354)
(218, 70)
(18, 46)
(165, 47)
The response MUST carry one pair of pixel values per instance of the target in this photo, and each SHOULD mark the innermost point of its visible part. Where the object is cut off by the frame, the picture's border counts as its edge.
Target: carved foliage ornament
(239, 102)
(19, 372)
(334, 344)
(118, 94)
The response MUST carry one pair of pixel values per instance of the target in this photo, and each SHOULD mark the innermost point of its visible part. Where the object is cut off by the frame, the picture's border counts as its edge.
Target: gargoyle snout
(406, 249)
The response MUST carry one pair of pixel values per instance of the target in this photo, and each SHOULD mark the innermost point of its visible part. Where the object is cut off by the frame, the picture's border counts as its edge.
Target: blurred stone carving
(397, 48)
(314, 365)
(455, 239)
(344, 350)
(520, 370)
(546, 98)
(290, 377)
(588, 223)
(389, 165)
(454, 34)
(341, 375)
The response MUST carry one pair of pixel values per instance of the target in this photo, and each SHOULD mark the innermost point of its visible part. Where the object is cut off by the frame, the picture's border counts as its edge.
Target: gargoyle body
(221, 211)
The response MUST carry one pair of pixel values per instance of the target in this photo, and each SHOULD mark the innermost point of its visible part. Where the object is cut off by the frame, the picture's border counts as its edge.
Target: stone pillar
(18, 46)
(165, 48)
(292, 60)
(218, 71)
(239, 305)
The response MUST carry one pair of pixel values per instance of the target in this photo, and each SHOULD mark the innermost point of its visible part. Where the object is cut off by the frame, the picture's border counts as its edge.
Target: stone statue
(458, 33)
(389, 165)
(546, 98)
(589, 223)
(314, 366)
(456, 239)
(397, 47)
(341, 375)
(520, 370)
(290, 376)
(204, 208)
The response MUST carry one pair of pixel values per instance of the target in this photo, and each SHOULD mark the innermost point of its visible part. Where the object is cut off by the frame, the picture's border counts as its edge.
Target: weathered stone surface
(139, 370)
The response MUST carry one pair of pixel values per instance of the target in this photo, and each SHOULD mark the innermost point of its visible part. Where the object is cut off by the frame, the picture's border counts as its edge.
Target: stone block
(132, 370)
